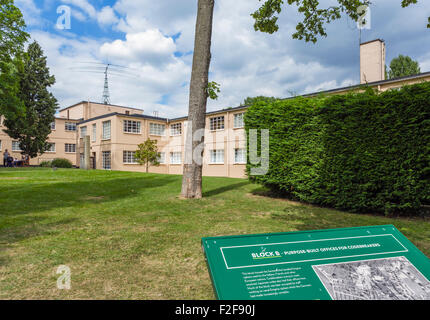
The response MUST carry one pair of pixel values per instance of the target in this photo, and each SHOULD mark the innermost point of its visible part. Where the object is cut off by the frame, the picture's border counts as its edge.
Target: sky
(152, 42)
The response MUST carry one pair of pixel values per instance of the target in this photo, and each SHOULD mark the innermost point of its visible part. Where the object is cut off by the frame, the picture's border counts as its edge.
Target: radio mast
(107, 69)
(106, 95)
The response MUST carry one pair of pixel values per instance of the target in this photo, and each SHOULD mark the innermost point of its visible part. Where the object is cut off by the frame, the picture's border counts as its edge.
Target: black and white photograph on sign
(380, 279)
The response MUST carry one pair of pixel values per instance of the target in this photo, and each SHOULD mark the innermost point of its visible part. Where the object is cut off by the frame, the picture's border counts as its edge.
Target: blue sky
(154, 40)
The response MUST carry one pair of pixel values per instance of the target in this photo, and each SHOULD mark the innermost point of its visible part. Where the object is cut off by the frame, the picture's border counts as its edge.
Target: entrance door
(93, 161)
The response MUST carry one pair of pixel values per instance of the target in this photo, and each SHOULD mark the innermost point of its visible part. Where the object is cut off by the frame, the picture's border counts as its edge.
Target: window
(176, 129)
(217, 123)
(131, 126)
(217, 156)
(51, 148)
(15, 146)
(175, 157)
(70, 126)
(238, 120)
(239, 156)
(0, 145)
(94, 137)
(161, 157)
(128, 157)
(70, 148)
(83, 132)
(157, 129)
(106, 160)
(106, 130)
(53, 125)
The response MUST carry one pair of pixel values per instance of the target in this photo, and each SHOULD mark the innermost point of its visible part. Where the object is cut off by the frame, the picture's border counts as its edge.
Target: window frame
(104, 167)
(158, 125)
(55, 148)
(243, 156)
(236, 115)
(67, 150)
(173, 130)
(126, 156)
(129, 124)
(215, 123)
(105, 137)
(83, 130)
(94, 132)
(69, 124)
(163, 159)
(171, 157)
(216, 152)
(14, 143)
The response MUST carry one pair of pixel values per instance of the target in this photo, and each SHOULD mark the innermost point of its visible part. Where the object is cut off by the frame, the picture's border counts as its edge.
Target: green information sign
(340, 264)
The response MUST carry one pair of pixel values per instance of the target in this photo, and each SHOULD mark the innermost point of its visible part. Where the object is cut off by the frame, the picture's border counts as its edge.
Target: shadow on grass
(35, 228)
(21, 199)
(22, 203)
(225, 188)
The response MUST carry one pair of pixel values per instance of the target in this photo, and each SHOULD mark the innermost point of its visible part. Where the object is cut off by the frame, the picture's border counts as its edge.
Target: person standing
(5, 157)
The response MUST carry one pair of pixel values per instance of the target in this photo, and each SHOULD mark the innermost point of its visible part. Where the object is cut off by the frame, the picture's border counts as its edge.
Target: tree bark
(192, 176)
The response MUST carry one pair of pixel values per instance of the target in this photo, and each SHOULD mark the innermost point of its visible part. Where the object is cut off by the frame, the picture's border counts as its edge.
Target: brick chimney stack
(372, 61)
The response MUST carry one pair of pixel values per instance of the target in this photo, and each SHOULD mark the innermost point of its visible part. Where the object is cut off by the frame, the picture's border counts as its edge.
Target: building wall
(75, 112)
(401, 83)
(88, 110)
(60, 136)
(227, 139)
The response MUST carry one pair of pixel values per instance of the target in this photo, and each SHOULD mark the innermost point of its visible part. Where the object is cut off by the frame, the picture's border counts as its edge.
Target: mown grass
(130, 236)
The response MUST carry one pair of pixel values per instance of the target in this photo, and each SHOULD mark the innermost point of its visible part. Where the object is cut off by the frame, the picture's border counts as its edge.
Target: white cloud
(84, 5)
(147, 47)
(142, 85)
(424, 62)
(107, 16)
(245, 62)
(30, 12)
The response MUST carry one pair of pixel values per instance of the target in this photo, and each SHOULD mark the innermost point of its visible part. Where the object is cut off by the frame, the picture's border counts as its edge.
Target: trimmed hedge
(362, 152)
(61, 163)
(46, 164)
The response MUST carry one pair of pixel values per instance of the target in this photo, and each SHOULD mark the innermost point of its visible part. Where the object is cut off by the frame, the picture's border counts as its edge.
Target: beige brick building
(115, 131)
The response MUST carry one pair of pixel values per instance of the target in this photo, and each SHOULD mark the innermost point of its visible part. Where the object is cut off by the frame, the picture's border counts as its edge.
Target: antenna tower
(106, 95)
(108, 70)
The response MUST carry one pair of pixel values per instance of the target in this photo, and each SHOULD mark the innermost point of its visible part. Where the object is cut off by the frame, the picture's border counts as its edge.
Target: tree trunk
(192, 177)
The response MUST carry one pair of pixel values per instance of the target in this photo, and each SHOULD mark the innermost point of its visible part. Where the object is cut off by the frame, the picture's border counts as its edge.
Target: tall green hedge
(362, 152)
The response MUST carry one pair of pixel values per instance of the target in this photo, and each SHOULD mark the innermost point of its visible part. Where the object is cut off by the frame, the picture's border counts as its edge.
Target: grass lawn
(128, 235)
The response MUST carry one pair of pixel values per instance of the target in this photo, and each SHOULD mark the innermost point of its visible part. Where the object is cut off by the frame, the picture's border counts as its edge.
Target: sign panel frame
(307, 264)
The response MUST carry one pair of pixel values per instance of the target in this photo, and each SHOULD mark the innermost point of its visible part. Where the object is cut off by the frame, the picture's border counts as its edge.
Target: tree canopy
(33, 127)
(315, 16)
(12, 30)
(403, 66)
(12, 39)
(266, 20)
(147, 153)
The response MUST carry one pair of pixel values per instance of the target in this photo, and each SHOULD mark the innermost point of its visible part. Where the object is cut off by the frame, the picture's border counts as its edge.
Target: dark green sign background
(355, 263)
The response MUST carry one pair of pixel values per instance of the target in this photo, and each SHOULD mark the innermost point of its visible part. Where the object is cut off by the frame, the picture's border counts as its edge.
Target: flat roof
(380, 40)
(357, 86)
(215, 112)
(142, 116)
(375, 83)
(112, 105)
